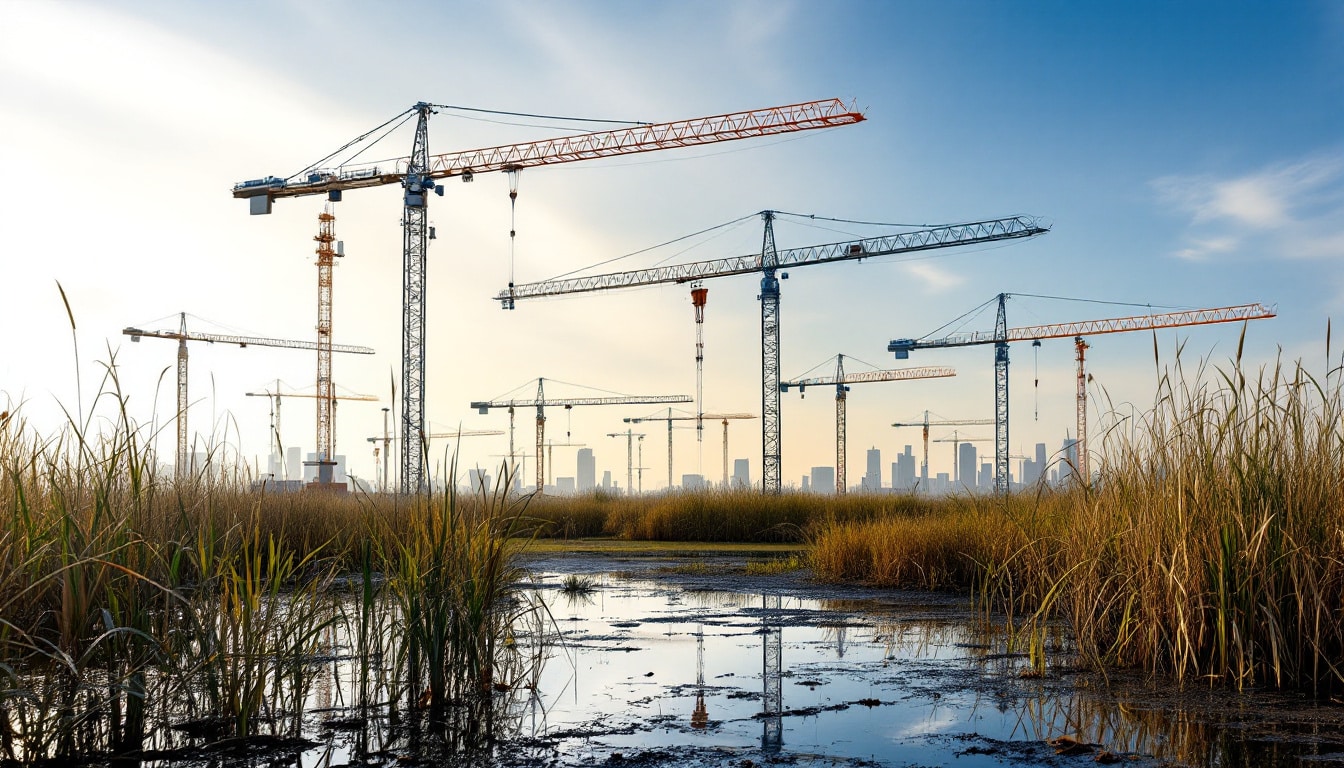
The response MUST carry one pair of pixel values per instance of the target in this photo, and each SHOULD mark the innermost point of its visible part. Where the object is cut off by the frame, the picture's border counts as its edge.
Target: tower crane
(841, 380)
(768, 263)
(417, 175)
(956, 440)
(698, 418)
(540, 402)
(1002, 335)
(182, 336)
(924, 470)
(327, 250)
(550, 456)
(277, 396)
(630, 435)
(385, 439)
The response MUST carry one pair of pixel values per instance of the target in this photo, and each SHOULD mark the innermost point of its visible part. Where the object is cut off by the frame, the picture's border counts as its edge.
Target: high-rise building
(903, 470)
(806, 481)
(606, 479)
(986, 479)
(587, 471)
(564, 486)
(741, 473)
(823, 479)
(966, 465)
(872, 479)
(692, 482)
(1068, 467)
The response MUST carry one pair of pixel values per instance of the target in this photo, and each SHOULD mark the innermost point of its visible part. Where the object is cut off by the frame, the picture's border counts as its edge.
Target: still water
(642, 673)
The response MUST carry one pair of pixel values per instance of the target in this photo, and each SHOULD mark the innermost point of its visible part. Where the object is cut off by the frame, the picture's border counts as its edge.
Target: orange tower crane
(924, 469)
(841, 380)
(1002, 335)
(540, 402)
(418, 173)
(182, 336)
(699, 296)
(327, 251)
(698, 418)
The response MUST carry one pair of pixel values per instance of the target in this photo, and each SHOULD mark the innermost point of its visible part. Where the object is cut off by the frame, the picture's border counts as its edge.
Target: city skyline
(1195, 162)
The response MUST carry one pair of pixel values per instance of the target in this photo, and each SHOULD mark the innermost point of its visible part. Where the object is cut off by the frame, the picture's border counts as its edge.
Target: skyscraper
(823, 479)
(903, 470)
(586, 478)
(872, 479)
(966, 465)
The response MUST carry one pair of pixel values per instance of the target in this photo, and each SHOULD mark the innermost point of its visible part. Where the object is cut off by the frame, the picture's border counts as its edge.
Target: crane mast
(771, 467)
(326, 406)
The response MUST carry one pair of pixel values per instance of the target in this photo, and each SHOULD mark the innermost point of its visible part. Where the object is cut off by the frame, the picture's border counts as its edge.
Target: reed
(1208, 547)
(140, 612)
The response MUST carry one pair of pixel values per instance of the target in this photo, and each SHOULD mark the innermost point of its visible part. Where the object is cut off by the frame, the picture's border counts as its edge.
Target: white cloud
(1288, 210)
(935, 278)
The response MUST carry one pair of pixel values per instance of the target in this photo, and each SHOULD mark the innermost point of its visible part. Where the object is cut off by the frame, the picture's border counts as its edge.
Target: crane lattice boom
(862, 377)
(973, 233)
(1230, 314)
(242, 341)
(826, 113)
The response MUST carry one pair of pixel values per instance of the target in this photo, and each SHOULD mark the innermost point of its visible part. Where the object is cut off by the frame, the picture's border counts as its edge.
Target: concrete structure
(564, 486)
(606, 480)
(692, 482)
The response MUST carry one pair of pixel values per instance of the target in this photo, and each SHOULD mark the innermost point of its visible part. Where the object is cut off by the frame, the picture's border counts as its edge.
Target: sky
(1184, 155)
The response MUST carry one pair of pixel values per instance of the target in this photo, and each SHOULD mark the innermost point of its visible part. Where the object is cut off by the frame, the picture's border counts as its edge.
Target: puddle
(649, 670)
(651, 674)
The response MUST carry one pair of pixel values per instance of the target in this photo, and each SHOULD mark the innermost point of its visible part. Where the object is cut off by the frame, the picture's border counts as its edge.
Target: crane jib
(973, 233)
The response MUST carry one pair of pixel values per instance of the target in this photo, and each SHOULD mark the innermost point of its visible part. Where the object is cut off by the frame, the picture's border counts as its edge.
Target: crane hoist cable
(1036, 372)
(513, 174)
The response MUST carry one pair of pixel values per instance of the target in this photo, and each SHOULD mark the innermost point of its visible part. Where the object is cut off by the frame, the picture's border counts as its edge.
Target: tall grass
(1210, 547)
(131, 604)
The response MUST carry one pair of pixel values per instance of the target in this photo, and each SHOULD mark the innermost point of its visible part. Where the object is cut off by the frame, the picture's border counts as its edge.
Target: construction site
(644, 385)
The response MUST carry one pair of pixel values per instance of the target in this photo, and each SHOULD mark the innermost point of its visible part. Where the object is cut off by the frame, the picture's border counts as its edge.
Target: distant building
(480, 480)
(564, 486)
(940, 483)
(966, 465)
(872, 479)
(823, 479)
(692, 482)
(294, 463)
(903, 470)
(986, 480)
(586, 478)
(741, 473)
(606, 480)
(1068, 467)
(806, 481)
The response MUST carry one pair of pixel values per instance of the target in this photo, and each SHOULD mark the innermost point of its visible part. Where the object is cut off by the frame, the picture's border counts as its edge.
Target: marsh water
(647, 670)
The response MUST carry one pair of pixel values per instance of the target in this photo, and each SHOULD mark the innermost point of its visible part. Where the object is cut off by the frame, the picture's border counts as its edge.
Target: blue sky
(1185, 154)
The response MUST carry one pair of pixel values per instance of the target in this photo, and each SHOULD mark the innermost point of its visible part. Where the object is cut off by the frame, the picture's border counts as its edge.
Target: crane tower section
(326, 410)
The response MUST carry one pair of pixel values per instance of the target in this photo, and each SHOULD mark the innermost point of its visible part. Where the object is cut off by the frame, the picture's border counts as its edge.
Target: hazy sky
(1186, 155)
